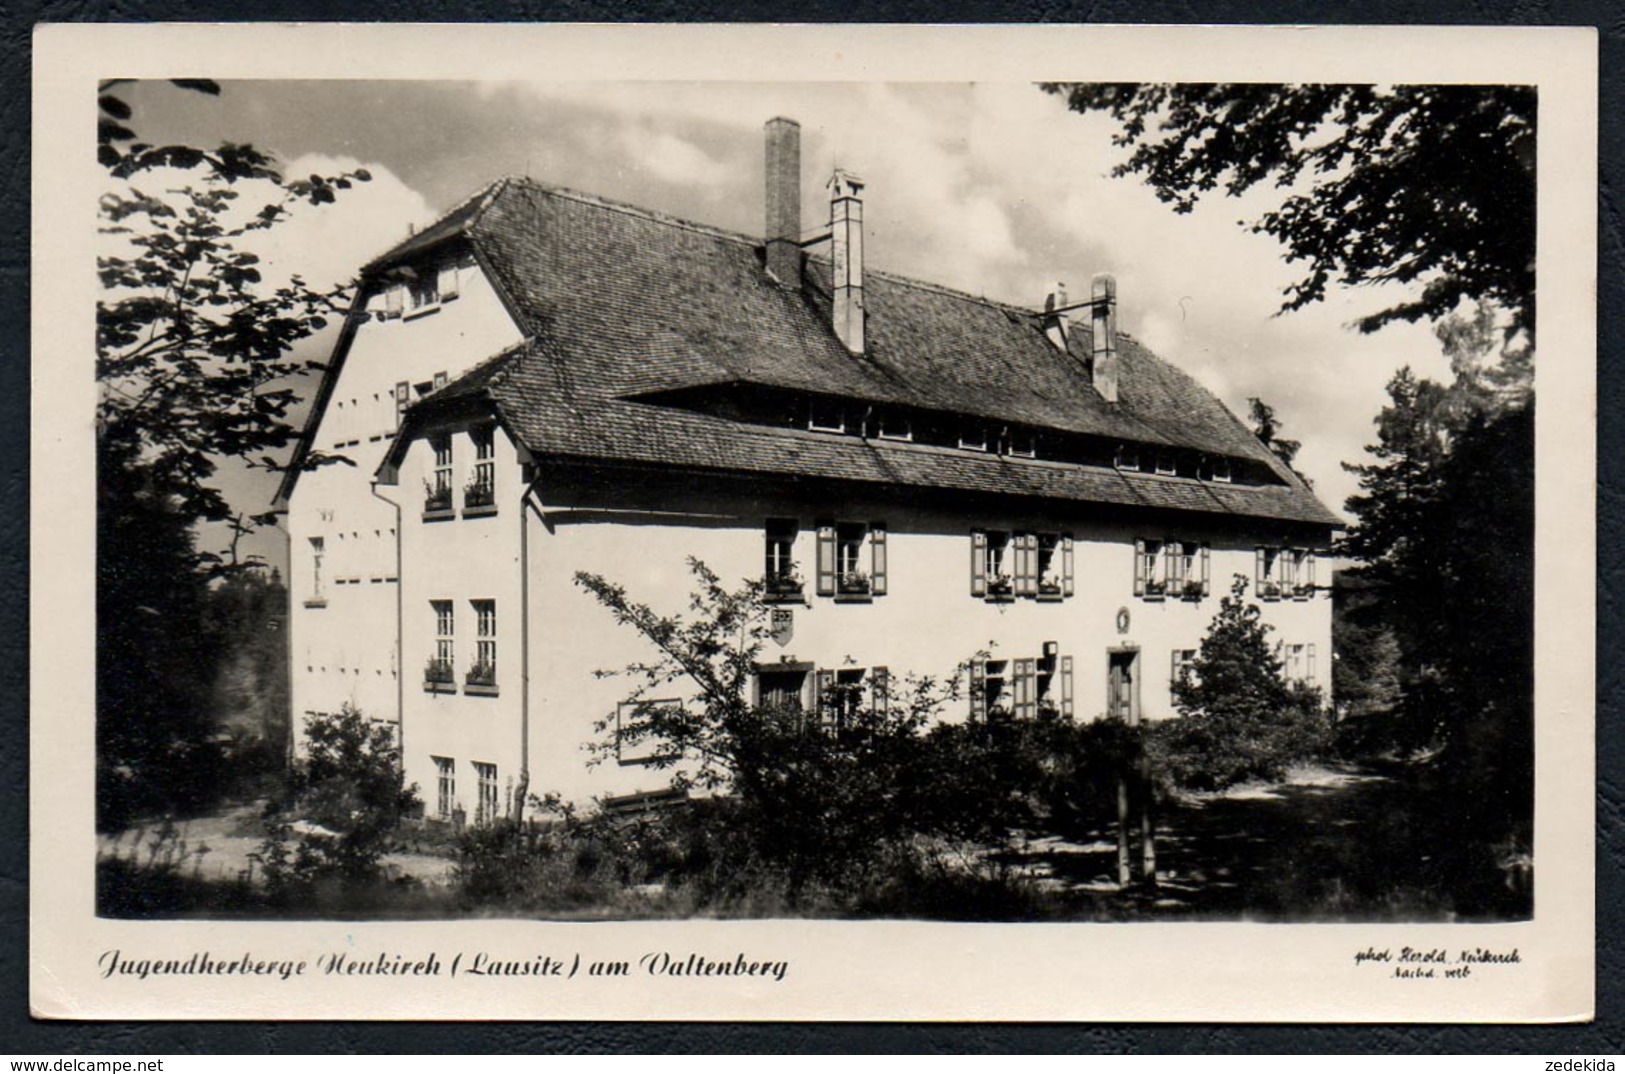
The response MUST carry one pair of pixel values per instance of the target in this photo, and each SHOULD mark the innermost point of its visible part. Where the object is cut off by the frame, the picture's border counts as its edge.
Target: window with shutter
(826, 560)
(403, 398)
(877, 558)
(1140, 551)
(1026, 565)
(780, 580)
(448, 282)
(1026, 689)
(978, 690)
(978, 563)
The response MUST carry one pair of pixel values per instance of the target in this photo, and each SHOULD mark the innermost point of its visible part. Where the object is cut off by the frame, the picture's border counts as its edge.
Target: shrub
(1240, 718)
(346, 798)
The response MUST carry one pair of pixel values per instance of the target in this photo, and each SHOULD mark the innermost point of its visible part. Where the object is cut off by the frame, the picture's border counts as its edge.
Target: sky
(995, 189)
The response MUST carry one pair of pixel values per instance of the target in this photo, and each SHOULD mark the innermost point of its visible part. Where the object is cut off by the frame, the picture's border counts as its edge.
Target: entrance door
(1123, 695)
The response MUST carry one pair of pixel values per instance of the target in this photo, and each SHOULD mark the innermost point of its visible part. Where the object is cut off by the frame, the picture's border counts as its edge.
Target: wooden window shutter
(1207, 583)
(393, 301)
(826, 559)
(1171, 551)
(1026, 706)
(1309, 569)
(978, 563)
(1139, 567)
(448, 282)
(1066, 687)
(1026, 564)
(879, 689)
(1258, 571)
(1309, 663)
(1067, 585)
(823, 694)
(877, 560)
(978, 689)
(1173, 667)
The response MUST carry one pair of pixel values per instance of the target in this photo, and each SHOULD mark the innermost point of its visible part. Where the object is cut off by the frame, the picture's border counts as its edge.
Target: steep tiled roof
(621, 302)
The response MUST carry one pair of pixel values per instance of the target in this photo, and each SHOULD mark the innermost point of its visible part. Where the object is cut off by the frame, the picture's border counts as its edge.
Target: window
(1035, 685)
(1164, 568)
(1128, 458)
(826, 416)
(1006, 565)
(847, 694)
(486, 774)
(445, 787)
(852, 560)
(318, 592)
(1020, 443)
(481, 490)
(438, 676)
(889, 425)
(780, 690)
(990, 565)
(1149, 579)
(989, 691)
(423, 289)
(484, 672)
(437, 498)
(1187, 569)
(1221, 469)
(1285, 573)
(973, 435)
(1298, 663)
(1054, 567)
(1184, 661)
(779, 578)
(1167, 465)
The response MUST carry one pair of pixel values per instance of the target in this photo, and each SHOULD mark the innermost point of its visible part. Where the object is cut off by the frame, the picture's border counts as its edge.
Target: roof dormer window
(826, 416)
(972, 434)
(1128, 458)
(890, 425)
(1167, 464)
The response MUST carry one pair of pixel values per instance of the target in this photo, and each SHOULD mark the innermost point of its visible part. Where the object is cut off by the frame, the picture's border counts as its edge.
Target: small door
(1123, 696)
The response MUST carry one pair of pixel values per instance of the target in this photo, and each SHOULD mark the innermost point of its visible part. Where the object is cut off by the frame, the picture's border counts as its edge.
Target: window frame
(440, 674)
(318, 590)
(815, 425)
(481, 677)
(839, 560)
(480, 491)
(445, 787)
(780, 580)
(489, 788)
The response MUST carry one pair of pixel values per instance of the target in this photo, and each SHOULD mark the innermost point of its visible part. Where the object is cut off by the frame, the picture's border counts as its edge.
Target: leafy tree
(1431, 185)
(346, 798)
(1240, 718)
(192, 361)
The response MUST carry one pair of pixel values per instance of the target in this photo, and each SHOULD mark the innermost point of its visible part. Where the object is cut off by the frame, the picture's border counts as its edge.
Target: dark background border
(20, 1034)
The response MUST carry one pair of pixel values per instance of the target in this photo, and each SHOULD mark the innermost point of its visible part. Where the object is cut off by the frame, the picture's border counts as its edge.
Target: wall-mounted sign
(1122, 620)
(783, 625)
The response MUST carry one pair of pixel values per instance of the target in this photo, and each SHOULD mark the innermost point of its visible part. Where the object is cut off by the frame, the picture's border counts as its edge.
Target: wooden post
(1148, 839)
(1125, 873)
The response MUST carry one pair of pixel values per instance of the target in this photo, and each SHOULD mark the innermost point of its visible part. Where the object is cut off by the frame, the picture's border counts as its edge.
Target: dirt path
(220, 847)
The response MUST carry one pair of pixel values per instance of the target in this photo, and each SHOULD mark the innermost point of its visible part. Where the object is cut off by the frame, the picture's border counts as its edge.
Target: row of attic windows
(825, 414)
(845, 417)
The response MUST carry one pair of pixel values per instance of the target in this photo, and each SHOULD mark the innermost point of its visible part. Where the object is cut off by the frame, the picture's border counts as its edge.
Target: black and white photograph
(882, 504)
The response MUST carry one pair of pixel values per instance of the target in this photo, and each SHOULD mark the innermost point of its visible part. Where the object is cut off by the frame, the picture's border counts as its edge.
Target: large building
(544, 382)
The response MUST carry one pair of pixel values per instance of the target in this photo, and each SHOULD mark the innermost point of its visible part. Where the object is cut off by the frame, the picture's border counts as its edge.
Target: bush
(1240, 719)
(346, 798)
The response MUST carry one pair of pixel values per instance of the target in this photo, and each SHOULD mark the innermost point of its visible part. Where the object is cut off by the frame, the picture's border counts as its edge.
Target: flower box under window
(1269, 590)
(439, 678)
(1154, 588)
(479, 494)
(437, 501)
(1000, 586)
(1192, 589)
(854, 584)
(783, 587)
(1303, 590)
(481, 680)
(1050, 588)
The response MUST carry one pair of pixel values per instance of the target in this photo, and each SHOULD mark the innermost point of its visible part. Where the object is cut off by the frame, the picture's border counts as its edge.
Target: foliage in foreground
(346, 799)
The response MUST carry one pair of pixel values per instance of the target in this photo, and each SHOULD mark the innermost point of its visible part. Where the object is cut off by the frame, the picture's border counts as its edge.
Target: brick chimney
(1056, 326)
(1103, 335)
(846, 247)
(783, 173)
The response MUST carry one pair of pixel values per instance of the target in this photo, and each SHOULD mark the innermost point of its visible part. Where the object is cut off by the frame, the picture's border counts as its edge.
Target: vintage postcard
(717, 522)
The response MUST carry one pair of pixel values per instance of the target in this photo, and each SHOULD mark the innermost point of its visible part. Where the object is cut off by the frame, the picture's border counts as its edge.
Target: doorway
(1123, 685)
